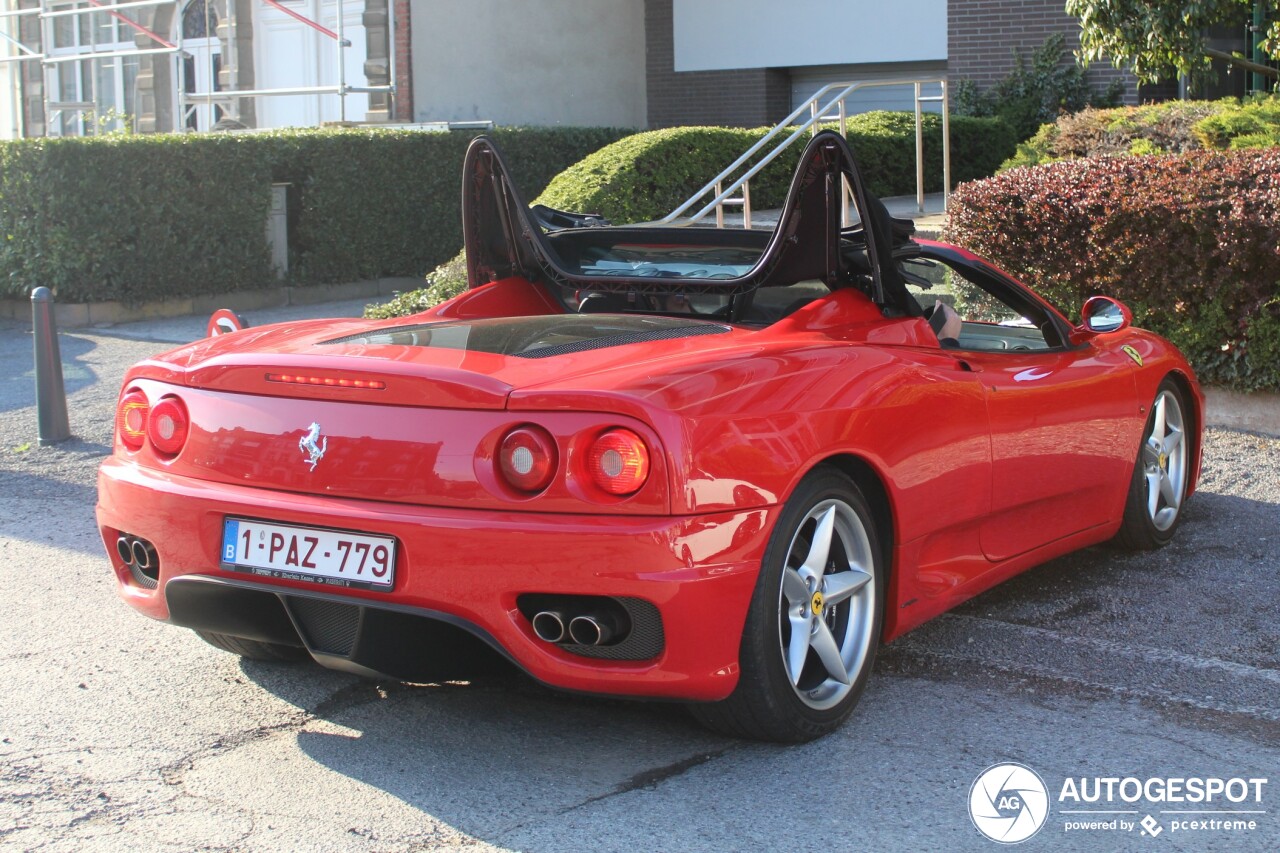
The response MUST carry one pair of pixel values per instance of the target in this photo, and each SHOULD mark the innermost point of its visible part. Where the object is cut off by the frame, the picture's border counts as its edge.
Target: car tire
(825, 541)
(253, 649)
(1161, 473)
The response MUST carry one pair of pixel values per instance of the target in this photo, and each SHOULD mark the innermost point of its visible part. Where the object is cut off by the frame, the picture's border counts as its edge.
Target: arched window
(199, 20)
(201, 59)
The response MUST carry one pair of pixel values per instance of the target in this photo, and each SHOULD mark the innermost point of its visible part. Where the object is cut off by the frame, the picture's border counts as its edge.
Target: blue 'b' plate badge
(230, 533)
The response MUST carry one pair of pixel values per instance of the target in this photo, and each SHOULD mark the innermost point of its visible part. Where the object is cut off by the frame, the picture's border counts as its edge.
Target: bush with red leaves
(1191, 242)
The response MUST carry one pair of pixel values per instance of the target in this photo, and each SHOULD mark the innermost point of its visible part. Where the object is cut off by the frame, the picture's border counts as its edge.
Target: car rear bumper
(464, 568)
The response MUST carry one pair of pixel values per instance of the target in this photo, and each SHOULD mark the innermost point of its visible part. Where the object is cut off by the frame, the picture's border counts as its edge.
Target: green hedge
(124, 219)
(646, 176)
(1191, 242)
(135, 218)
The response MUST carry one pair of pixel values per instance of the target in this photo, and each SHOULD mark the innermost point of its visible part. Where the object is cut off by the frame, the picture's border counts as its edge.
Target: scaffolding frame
(49, 11)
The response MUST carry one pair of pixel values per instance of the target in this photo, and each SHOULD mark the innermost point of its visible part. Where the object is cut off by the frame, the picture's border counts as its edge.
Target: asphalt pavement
(119, 733)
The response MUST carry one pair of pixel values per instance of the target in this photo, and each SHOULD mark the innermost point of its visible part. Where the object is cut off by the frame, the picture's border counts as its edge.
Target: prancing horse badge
(313, 445)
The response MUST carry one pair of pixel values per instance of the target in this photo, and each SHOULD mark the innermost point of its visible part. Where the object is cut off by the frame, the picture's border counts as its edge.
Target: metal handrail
(817, 115)
(786, 122)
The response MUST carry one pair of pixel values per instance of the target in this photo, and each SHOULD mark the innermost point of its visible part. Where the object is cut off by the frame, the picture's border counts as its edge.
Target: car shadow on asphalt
(486, 755)
(497, 756)
(478, 755)
(1225, 543)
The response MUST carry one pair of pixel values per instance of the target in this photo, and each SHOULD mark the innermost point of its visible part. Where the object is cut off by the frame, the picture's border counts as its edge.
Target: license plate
(333, 557)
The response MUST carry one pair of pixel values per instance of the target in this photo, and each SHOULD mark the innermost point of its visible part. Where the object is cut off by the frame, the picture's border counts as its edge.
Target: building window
(96, 94)
(201, 59)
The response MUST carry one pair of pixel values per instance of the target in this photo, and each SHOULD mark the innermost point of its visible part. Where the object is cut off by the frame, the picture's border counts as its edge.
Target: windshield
(701, 262)
(534, 337)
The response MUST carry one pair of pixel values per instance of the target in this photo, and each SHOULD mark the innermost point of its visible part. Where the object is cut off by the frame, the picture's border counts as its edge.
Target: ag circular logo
(1008, 803)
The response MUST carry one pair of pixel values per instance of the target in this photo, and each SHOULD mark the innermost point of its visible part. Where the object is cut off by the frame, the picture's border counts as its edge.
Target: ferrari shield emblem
(1133, 354)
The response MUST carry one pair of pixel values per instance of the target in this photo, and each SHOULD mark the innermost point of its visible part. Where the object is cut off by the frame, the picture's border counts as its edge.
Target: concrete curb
(78, 315)
(1256, 412)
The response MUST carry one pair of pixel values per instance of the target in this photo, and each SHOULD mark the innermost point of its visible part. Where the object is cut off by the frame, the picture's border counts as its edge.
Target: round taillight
(527, 457)
(131, 419)
(618, 462)
(168, 426)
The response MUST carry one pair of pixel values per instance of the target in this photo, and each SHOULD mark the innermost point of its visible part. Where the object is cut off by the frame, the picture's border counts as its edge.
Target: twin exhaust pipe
(136, 552)
(590, 629)
(140, 559)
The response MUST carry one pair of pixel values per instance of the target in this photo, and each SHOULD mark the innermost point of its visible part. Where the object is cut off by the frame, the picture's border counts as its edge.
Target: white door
(292, 54)
(200, 76)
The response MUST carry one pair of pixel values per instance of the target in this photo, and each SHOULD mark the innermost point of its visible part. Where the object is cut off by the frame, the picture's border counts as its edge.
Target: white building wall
(566, 62)
(715, 35)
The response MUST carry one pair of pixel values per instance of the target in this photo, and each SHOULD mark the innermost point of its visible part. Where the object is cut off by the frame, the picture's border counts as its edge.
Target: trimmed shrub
(1190, 242)
(1167, 128)
(134, 218)
(444, 282)
(646, 176)
(884, 143)
(1255, 124)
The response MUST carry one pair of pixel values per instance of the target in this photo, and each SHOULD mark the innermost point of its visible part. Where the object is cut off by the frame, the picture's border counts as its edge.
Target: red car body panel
(972, 492)
(986, 463)
(472, 563)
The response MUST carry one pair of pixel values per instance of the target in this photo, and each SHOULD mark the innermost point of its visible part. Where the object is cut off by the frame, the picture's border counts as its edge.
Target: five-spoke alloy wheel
(1161, 474)
(826, 603)
(814, 623)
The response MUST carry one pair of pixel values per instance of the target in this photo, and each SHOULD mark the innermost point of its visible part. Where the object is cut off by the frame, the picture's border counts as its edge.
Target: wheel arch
(1195, 405)
(873, 488)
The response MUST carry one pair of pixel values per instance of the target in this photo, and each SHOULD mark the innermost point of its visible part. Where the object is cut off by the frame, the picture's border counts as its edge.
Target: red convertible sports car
(713, 466)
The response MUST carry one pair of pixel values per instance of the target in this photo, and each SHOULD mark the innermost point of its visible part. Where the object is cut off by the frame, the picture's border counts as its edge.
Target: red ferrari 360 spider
(715, 466)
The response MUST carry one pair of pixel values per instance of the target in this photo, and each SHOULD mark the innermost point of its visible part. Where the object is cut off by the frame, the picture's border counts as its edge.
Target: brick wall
(751, 97)
(982, 35)
(403, 48)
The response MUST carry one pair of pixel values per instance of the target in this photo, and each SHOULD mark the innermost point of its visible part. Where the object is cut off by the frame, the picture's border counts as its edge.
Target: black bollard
(51, 397)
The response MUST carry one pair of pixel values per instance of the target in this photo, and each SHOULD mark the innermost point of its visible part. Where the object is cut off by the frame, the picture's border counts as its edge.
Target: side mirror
(1102, 315)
